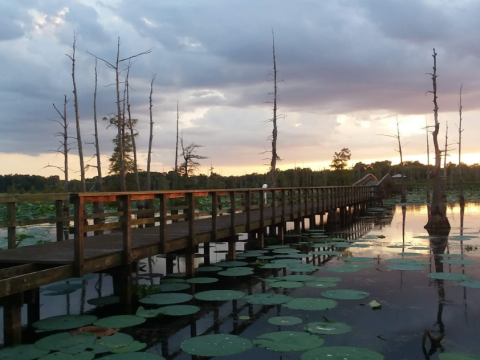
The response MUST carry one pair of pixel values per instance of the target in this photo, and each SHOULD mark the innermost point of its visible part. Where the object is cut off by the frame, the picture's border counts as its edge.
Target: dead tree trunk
(275, 157)
(132, 132)
(460, 130)
(428, 163)
(176, 145)
(404, 191)
(77, 116)
(437, 216)
(120, 126)
(150, 141)
(97, 144)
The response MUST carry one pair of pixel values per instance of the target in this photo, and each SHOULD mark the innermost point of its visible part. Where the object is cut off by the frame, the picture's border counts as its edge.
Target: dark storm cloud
(215, 58)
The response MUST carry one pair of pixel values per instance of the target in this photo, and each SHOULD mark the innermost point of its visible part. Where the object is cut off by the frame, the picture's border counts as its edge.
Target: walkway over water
(177, 221)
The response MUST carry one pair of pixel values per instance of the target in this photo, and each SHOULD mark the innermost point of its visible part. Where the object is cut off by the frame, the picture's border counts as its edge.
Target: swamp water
(411, 301)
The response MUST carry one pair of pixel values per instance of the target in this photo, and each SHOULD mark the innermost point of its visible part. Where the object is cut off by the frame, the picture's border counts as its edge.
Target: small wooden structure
(204, 216)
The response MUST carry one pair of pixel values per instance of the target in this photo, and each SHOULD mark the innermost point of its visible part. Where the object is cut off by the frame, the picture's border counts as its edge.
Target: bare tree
(445, 152)
(77, 115)
(460, 130)
(132, 131)
(275, 157)
(399, 150)
(97, 144)
(63, 148)
(437, 215)
(176, 146)
(116, 67)
(150, 141)
(428, 162)
(190, 157)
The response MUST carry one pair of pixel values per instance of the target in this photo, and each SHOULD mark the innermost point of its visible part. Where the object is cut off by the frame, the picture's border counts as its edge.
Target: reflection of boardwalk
(27, 268)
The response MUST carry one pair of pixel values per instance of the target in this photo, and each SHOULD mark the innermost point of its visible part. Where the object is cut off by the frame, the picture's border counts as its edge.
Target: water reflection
(411, 302)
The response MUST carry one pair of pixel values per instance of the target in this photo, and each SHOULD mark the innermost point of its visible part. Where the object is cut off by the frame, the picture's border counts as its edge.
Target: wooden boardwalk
(230, 212)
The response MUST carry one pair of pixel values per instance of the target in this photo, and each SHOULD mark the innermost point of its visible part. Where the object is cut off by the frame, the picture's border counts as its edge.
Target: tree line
(417, 175)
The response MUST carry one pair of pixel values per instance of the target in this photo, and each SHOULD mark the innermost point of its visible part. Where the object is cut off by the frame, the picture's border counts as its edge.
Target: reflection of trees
(439, 245)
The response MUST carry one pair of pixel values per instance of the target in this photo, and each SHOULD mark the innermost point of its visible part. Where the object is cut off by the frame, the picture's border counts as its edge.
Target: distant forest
(416, 173)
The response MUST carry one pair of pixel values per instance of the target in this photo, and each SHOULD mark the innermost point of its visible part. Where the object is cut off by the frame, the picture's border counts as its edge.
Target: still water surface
(411, 301)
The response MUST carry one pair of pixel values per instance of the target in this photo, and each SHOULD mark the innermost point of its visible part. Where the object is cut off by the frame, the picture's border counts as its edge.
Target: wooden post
(262, 214)
(281, 232)
(163, 223)
(322, 194)
(122, 280)
(32, 299)
(299, 203)
(283, 206)
(12, 236)
(214, 215)
(189, 253)
(206, 253)
(232, 214)
(248, 206)
(291, 192)
(59, 223)
(169, 258)
(232, 255)
(261, 238)
(274, 215)
(126, 228)
(78, 206)
(12, 319)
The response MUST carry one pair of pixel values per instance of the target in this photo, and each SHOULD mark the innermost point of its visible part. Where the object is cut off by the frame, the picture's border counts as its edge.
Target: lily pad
(50, 342)
(286, 284)
(166, 299)
(237, 271)
(130, 348)
(179, 310)
(304, 268)
(115, 341)
(219, 295)
(273, 266)
(208, 269)
(285, 320)
(458, 262)
(120, 321)
(321, 285)
(173, 287)
(63, 287)
(328, 328)
(202, 280)
(474, 284)
(106, 300)
(231, 263)
(395, 246)
(420, 248)
(341, 353)
(22, 352)
(132, 356)
(310, 304)
(449, 276)
(150, 313)
(400, 261)
(345, 294)
(86, 355)
(451, 255)
(288, 341)
(216, 345)
(406, 267)
(457, 356)
(462, 237)
(299, 277)
(267, 299)
(64, 322)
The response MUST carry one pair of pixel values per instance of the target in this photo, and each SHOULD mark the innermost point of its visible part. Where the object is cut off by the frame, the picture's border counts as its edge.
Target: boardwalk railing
(270, 206)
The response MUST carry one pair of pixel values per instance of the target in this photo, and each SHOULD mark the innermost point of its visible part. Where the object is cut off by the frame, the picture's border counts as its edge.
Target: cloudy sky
(348, 67)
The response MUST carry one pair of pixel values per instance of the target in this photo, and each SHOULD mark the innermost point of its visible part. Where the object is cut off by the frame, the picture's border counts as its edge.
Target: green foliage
(142, 291)
(340, 159)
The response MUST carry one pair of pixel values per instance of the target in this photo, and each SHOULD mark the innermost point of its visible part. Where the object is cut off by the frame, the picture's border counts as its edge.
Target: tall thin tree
(77, 115)
(428, 162)
(176, 145)
(97, 143)
(132, 130)
(116, 67)
(150, 139)
(275, 157)
(437, 216)
(460, 130)
(63, 148)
